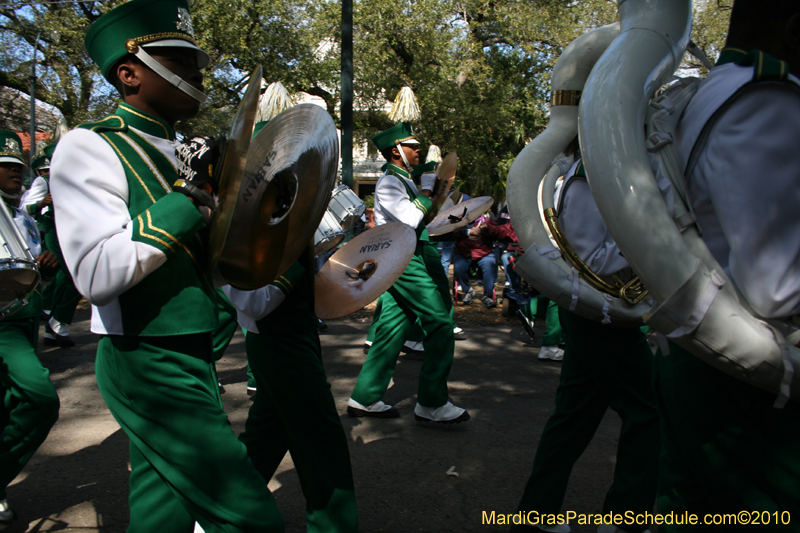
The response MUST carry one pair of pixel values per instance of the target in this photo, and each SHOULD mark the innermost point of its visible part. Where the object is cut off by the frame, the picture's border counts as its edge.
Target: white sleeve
(587, 233)
(751, 169)
(252, 306)
(90, 193)
(35, 194)
(391, 195)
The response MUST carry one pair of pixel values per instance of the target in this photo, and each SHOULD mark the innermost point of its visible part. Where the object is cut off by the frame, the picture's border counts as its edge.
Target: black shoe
(251, 391)
(51, 338)
(366, 348)
(527, 324)
(459, 334)
(322, 325)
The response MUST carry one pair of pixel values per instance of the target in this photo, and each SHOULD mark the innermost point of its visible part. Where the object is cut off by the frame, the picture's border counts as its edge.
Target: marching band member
(604, 366)
(726, 448)
(421, 292)
(30, 403)
(129, 242)
(60, 297)
(294, 409)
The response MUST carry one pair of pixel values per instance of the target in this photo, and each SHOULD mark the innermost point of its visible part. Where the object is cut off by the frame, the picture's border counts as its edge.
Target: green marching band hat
(146, 23)
(43, 161)
(396, 135)
(10, 148)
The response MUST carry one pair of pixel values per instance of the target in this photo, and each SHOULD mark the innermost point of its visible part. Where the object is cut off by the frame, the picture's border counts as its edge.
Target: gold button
(131, 46)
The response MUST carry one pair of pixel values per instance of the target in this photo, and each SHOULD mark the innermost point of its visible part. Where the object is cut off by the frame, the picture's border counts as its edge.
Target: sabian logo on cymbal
(376, 246)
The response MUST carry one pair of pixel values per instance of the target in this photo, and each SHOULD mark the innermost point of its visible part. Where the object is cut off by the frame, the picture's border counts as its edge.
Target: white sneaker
(457, 331)
(6, 515)
(376, 409)
(414, 346)
(445, 414)
(551, 353)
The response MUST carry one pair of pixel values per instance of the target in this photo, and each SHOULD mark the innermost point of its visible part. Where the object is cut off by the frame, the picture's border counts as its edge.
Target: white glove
(427, 181)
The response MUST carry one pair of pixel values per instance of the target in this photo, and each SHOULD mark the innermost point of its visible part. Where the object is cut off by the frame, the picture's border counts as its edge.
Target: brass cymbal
(459, 215)
(363, 269)
(288, 177)
(230, 181)
(445, 174)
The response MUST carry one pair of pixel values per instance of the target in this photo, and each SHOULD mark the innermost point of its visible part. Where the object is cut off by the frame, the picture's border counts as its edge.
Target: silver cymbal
(230, 181)
(445, 174)
(286, 186)
(459, 215)
(363, 269)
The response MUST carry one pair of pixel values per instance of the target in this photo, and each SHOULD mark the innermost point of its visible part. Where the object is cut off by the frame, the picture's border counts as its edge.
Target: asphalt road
(78, 480)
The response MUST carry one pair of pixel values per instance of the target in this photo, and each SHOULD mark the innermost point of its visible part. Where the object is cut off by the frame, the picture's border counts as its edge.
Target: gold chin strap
(631, 292)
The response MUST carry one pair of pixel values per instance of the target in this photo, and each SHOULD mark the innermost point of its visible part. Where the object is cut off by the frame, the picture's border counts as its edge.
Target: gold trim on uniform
(152, 237)
(420, 206)
(154, 121)
(132, 45)
(565, 97)
(122, 157)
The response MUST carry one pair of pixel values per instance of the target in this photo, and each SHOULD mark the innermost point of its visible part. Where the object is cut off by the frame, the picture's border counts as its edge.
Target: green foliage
(480, 68)
(67, 78)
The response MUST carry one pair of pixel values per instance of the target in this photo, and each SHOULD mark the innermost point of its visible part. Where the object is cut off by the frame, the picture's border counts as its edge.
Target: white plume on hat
(434, 154)
(61, 129)
(273, 102)
(405, 107)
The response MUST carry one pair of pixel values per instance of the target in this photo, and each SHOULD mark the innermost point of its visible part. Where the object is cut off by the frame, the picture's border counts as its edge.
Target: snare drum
(328, 234)
(346, 206)
(19, 273)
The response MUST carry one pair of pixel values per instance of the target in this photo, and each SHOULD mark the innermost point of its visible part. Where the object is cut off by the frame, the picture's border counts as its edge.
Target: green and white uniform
(421, 292)
(30, 403)
(61, 297)
(129, 242)
(294, 409)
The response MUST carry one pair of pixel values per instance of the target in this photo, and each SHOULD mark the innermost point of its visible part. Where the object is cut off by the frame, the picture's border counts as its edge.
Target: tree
(67, 78)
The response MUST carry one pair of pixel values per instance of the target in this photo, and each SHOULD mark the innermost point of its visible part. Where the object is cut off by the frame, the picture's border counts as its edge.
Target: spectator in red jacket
(475, 246)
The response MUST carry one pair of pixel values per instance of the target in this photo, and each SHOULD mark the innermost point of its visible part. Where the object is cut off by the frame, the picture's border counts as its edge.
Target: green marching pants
(552, 333)
(604, 366)
(186, 463)
(421, 292)
(726, 449)
(30, 401)
(417, 334)
(294, 410)
(64, 297)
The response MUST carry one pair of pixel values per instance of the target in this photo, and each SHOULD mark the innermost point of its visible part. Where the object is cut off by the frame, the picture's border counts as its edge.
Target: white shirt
(392, 203)
(745, 186)
(36, 193)
(88, 183)
(584, 228)
(252, 306)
